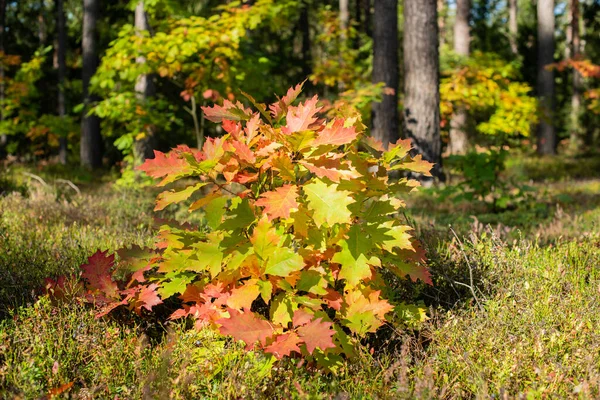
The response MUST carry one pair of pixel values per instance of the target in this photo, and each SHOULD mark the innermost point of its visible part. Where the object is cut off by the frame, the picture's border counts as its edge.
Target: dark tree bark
(91, 139)
(513, 29)
(306, 51)
(421, 117)
(61, 55)
(3, 136)
(576, 137)
(385, 69)
(459, 141)
(546, 135)
(145, 89)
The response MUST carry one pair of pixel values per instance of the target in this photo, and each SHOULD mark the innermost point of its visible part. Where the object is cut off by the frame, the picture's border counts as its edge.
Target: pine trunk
(421, 117)
(385, 69)
(576, 137)
(3, 136)
(144, 88)
(459, 141)
(546, 139)
(91, 139)
(61, 54)
(513, 29)
(344, 14)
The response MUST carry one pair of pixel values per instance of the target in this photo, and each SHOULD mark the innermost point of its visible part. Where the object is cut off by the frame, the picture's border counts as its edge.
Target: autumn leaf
(171, 166)
(169, 197)
(284, 345)
(243, 152)
(243, 296)
(283, 261)
(146, 298)
(280, 202)
(330, 205)
(355, 258)
(416, 165)
(279, 108)
(365, 311)
(246, 326)
(398, 150)
(317, 334)
(336, 134)
(98, 273)
(229, 111)
(302, 117)
(330, 169)
(264, 238)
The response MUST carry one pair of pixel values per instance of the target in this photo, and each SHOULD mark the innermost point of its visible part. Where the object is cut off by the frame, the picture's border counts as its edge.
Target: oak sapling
(302, 218)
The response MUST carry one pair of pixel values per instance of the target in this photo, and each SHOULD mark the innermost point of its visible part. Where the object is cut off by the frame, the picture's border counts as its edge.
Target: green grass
(530, 330)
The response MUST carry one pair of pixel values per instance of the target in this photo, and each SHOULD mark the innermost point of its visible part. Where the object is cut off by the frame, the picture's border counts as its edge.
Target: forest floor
(514, 310)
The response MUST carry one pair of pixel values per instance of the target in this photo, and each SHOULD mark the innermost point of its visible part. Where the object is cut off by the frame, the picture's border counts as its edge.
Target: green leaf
(330, 206)
(284, 261)
(354, 258)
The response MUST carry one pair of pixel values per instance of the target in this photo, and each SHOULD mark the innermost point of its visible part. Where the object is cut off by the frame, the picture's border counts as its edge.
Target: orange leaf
(246, 326)
(280, 202)
(336, 134)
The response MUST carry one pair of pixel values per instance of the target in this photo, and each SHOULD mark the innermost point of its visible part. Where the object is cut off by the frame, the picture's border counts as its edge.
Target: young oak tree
(300, 224)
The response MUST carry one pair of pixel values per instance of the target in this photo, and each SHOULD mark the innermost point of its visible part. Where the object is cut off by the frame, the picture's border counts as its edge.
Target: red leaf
(280, 107)
(301, 318)
(336, 135)
(317, 334)
(170, 165)
(328, 168)
(333, 299)
(97, 272)
(247, 327)
(230, 111)
(243, 152)
(147, 298)
(302, 117)
(279, 202)
(284, 345)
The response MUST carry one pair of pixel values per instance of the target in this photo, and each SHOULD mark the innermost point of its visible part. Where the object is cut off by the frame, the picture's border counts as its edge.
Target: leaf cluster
(300, 224)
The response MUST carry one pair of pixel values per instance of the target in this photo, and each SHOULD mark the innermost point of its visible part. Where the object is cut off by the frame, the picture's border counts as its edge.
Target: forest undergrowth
(513, 312)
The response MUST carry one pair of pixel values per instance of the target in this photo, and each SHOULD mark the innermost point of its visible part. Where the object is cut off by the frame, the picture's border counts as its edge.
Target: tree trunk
(459, 141)
(61, 55)
(344, 14)
(91, 140)
(3, 136)
(513, 29)
(144, 88)
(421, 117)
(576, 137)
(42, 24)
(306, 52)
(546, 140)
(385, 69)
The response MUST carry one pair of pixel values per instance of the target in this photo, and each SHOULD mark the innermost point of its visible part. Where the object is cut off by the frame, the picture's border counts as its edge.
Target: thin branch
(37, 178)
(471, 286)
(71, 184)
